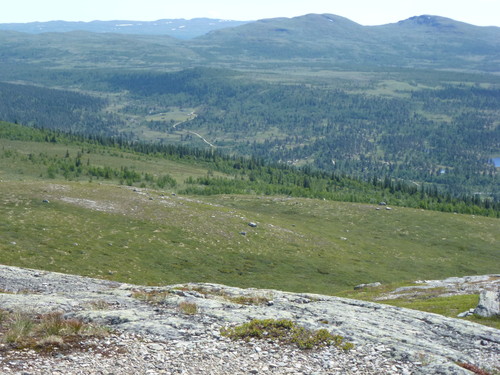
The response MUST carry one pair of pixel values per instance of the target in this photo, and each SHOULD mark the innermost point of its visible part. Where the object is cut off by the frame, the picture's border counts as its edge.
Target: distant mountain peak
(425, 19)
(333, 18)
(431, 21)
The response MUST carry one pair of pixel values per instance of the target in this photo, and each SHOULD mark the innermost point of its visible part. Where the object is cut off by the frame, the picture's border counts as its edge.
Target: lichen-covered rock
(417, 342)
(489, 303)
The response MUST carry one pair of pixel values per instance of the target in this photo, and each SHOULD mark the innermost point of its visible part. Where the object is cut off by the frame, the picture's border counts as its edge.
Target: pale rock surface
(157, 338)
(448, 287)
(370, 285)
(489, 303)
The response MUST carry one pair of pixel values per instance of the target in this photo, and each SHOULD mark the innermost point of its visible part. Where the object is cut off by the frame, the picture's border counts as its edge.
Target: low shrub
(286, 332)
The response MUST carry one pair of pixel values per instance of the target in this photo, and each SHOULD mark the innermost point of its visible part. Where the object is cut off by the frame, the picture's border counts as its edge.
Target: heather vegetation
(285, 332)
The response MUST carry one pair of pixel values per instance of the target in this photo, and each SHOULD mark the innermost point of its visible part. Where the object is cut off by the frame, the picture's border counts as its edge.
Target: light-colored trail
(192, 117)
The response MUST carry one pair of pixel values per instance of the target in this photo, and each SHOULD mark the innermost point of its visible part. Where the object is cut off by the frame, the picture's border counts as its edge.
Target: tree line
(241, 175)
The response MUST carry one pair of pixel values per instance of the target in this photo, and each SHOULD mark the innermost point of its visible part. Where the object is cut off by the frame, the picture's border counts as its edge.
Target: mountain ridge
(425, 40)
(196, 26)
(419, 42)
(179, 28)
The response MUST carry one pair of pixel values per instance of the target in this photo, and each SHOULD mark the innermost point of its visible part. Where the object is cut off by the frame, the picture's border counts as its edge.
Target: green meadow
(107, 229)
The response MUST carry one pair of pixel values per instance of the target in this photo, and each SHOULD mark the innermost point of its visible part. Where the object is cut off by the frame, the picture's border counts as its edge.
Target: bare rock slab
(405, 341)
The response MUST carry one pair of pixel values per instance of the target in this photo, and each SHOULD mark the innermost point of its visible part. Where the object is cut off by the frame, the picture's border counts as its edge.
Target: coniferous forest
(396, 122)
(444, 136)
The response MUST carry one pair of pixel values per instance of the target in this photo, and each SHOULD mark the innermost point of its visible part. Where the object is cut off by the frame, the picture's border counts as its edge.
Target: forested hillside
(55, 109)
(443, 133)
(446, 134)
(414, 103)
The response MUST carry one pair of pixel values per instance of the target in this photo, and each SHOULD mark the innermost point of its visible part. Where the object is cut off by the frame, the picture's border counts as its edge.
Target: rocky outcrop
(370, 285)
(448, 287)
(412, 341)
(489, 303)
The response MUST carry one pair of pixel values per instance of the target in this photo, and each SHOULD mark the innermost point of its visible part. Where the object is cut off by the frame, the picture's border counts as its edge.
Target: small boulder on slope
(489, 304)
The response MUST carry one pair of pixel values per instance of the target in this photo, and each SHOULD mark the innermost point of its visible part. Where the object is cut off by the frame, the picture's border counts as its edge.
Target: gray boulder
(489, 303)
(370, 285)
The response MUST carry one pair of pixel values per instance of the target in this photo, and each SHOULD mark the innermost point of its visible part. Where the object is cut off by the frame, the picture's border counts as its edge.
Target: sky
(365, 12)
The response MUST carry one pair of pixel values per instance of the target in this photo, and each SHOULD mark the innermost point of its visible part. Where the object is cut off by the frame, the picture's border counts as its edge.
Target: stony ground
(152, 335)
(448, 287)
(132, 354)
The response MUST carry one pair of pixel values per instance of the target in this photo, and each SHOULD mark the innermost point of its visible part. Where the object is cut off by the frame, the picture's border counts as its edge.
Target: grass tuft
(152, 297)
(188, 308)
(19, 327)
(42, 332)
(51, 324)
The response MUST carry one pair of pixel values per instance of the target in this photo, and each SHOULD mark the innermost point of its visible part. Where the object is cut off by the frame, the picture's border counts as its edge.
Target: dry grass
(242, 300)
(188, 308)
(45, 332)
(152, 296)
(99, 305)
(249, 300)
(474, 369)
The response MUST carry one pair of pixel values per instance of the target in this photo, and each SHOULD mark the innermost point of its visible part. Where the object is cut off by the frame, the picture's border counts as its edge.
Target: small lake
(496, 161)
